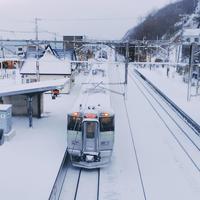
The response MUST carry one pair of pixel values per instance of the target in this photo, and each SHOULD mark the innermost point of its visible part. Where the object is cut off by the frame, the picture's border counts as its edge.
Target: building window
(32, 80)
(196, 39)
(188, 39)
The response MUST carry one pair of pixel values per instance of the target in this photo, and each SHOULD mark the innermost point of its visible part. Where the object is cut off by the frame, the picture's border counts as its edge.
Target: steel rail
(58, 184)
(135, 152)
(98, 184)
(171, 117)
(164, 122)
(194, 125)
(77, 185)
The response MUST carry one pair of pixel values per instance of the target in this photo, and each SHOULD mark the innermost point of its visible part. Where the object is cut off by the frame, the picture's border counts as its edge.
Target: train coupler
(91, 158)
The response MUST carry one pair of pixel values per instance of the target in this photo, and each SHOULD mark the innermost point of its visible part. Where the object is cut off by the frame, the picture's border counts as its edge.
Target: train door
(90, 135)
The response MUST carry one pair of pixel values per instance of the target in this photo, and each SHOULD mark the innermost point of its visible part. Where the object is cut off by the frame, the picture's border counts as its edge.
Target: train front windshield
(90, 129)
(74, 123)
(106, 124)
(90, 135)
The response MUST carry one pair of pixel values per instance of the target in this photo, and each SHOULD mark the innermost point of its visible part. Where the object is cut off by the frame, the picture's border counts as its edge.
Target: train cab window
(90, 129)
(74, 123)
(106, 124)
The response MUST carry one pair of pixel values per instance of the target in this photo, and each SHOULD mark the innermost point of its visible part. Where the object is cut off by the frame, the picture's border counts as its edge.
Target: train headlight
(76, 114)
(105, 114)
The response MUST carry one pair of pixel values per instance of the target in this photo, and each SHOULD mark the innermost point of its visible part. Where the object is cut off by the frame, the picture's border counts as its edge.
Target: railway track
(177, 126)
(162, 150)
(135, 152)
(193, 125)
(73, 183)
(58, 184)
(83, 185)
(165, 106)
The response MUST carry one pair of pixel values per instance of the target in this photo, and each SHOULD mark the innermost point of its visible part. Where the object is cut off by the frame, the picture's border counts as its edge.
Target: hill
(163, 23)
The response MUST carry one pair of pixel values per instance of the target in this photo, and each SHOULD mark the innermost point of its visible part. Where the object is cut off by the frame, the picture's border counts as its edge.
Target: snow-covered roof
(191, 32)
(35, 87)
(49, 50)
(4, 107)
(48, 64)
(93, 94)
(8, 54)
(10, 59)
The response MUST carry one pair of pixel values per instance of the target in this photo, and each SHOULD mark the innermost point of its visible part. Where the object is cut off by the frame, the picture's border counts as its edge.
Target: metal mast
(37, 50)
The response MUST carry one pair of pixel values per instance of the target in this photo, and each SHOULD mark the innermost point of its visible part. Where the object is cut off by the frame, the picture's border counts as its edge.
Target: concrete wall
(19, 104)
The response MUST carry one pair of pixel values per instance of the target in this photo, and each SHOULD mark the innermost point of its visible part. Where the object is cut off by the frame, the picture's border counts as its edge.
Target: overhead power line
(89, 19)
(14, 31)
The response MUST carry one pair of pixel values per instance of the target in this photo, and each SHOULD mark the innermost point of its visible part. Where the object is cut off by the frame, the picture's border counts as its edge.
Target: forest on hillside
(162, 23)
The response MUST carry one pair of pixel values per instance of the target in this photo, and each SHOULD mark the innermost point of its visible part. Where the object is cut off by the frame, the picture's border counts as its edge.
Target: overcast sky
(109, 19)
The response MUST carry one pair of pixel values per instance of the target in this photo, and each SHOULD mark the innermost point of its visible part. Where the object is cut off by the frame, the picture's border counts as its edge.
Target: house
(191, 35)
(10, 62)
(48, 67)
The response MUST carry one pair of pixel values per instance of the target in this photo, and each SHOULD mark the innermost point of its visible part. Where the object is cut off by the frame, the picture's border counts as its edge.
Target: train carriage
(90, 128)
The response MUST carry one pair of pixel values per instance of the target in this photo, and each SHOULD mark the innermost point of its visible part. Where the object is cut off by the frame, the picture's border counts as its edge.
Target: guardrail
(194, 125)
(57, 187)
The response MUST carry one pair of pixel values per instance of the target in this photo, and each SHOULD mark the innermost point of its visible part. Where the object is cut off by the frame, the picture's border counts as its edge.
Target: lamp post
(126, 63)
(37, 50)
(191, 61)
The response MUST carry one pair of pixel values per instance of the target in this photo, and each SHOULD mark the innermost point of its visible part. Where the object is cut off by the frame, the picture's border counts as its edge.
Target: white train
(90, 124)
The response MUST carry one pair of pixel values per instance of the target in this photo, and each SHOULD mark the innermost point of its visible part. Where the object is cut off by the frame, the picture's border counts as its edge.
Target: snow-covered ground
(166, 171)
(30, 161)
(174, 87)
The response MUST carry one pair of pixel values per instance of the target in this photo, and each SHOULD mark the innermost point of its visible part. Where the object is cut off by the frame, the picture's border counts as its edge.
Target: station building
(48, 67)
(191, 35)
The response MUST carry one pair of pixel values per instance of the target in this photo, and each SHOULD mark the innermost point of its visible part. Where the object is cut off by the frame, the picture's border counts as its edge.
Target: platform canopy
(31, 88)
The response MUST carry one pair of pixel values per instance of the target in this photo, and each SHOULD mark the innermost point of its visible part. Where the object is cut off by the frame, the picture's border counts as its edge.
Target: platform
(9, 136)
(31, 159)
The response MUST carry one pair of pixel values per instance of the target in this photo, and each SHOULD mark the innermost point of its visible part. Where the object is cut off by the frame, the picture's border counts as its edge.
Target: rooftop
(191, 32)
(48, 64)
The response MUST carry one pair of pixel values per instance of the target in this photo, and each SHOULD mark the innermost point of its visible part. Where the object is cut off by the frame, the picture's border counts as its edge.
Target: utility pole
(138, 55)
(36, 29)
(126, 63)
(30, 109)
(2, 50)
(37, 50)
(55, 39)
(101, 51)
(190, 71)
(115, 55)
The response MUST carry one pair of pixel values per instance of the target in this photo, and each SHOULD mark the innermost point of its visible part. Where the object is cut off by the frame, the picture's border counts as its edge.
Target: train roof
(95, 94)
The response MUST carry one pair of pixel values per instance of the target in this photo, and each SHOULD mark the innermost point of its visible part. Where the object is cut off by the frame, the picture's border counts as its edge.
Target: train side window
(74, 123)
(106, 124)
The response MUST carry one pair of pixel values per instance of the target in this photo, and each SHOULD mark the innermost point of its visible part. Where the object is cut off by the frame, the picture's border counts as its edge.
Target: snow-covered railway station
(31, 160)
(91, 108)
(152, 157)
